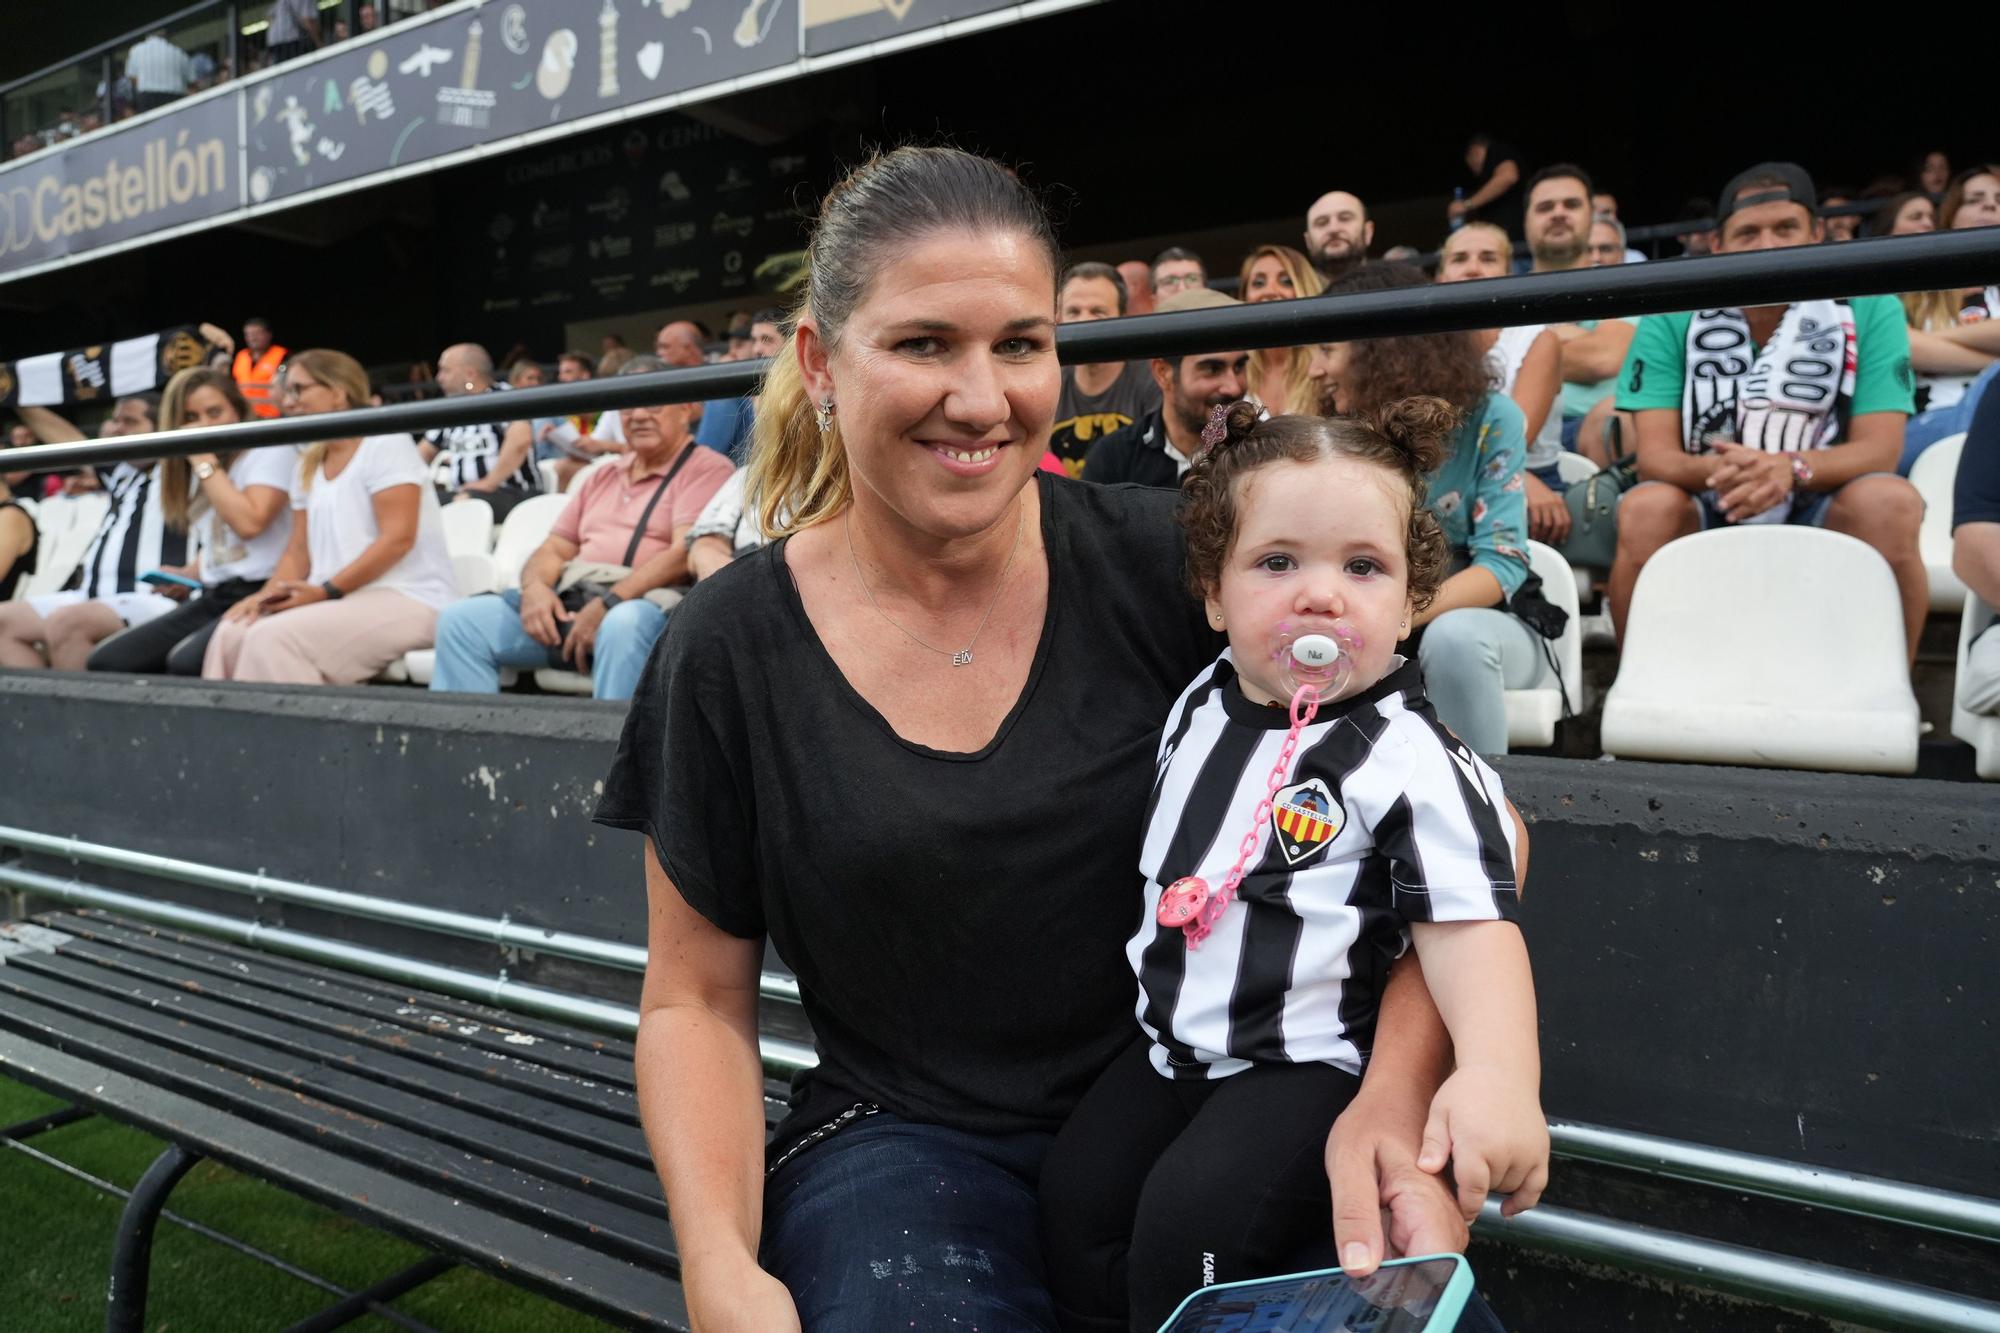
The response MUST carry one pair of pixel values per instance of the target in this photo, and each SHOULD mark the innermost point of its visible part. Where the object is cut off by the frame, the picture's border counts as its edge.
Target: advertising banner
(174, 169)
(634, 217)
(432, 88)
(835, 25)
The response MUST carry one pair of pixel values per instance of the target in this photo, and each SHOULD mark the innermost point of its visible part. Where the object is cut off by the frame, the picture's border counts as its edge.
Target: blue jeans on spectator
(1926, 428)
(478, 636)
(894, 1225)
(1471, 657)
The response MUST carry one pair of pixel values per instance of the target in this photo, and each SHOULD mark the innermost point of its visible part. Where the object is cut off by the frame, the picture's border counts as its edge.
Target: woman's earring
(823, 415)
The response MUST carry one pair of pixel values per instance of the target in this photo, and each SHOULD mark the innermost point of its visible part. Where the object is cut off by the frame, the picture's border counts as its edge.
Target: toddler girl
(1310, 819)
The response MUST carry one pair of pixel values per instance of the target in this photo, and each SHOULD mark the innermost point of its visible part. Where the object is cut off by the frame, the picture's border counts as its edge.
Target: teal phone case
(1451, 1301)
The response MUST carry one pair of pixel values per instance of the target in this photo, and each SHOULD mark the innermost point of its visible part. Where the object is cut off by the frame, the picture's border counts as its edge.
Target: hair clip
(1217, 429)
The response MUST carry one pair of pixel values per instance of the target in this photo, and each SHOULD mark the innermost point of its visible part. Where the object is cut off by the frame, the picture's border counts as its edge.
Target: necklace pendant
(963, 657)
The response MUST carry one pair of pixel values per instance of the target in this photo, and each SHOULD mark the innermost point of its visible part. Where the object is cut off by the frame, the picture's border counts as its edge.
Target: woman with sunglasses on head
(238, 508)
(366, 570)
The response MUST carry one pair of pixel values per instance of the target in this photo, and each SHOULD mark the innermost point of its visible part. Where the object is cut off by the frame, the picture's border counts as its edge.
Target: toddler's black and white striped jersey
(1383, 819)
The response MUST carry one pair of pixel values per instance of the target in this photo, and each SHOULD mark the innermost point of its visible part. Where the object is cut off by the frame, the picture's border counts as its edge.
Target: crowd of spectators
(162, 67)
(330, 566)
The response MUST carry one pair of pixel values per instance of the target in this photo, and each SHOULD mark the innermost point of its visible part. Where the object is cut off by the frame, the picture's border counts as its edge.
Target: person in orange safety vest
(256, 366)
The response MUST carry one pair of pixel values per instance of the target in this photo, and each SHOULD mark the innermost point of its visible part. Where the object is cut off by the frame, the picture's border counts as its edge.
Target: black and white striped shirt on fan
(474, 450)
(134, 537)
(1385, 818)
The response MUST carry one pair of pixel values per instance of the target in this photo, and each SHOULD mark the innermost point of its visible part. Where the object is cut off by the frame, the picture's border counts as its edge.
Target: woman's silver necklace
(963, 657)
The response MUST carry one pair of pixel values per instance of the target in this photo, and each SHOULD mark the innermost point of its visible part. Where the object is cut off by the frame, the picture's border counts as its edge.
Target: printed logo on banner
(85, 369)
(758, 15)
(607, 50)
(558, 62)
(178, 351)
(679, 279)
(667, 235)
(468, 106)
(514, 30)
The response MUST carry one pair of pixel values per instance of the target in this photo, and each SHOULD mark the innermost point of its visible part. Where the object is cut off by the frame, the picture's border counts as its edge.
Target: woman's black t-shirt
(956, 921)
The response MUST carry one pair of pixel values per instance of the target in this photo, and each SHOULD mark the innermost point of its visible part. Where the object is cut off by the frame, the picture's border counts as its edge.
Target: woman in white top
(366, 571)
(1527, 367)
(236, 506)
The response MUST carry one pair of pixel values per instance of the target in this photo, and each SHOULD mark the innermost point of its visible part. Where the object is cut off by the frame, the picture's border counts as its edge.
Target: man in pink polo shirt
(596, 594)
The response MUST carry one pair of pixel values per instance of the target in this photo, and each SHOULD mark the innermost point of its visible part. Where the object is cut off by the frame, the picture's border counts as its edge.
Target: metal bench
(502, 1142)
(507, 1139)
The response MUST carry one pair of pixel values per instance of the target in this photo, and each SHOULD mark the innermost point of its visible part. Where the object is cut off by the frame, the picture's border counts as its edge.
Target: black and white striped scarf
(1789, 397)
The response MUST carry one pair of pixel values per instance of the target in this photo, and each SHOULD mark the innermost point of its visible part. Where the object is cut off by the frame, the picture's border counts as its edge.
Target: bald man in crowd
(1138, 275)
(1338, 233)
(679, 344)
(491, 462)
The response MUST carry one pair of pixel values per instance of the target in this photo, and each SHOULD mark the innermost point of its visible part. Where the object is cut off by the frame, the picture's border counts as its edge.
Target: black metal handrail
(1765, 277)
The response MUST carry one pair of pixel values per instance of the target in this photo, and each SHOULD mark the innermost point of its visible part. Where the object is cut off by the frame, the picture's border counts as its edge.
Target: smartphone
(159, 578)
(1421, 1295)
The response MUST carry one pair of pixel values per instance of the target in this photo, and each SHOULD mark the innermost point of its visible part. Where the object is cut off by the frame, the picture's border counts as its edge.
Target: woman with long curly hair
(1280, 377)
(1473, 647)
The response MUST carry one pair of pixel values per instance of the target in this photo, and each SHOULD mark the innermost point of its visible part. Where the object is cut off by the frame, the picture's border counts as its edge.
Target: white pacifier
(1320, 661)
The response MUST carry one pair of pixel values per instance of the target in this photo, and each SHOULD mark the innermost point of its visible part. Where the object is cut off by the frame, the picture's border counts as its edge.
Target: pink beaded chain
(1187, 902)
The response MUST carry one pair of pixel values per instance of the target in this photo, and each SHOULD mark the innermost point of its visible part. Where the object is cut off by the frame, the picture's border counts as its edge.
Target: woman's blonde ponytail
(797, 476)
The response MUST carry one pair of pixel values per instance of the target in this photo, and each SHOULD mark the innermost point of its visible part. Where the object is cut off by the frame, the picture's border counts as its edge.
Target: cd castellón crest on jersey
(1304, 818)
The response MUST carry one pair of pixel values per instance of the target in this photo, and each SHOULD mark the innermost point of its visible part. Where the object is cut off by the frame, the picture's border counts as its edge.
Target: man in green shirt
(1776, 414)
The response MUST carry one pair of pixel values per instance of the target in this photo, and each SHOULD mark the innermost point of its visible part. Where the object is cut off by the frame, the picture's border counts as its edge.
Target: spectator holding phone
(238, 507)
(366, 570)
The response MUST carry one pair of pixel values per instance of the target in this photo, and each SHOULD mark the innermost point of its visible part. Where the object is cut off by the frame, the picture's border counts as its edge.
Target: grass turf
(56, 1232)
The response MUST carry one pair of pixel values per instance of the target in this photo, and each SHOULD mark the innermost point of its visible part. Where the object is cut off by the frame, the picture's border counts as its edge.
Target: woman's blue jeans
(894, 1225)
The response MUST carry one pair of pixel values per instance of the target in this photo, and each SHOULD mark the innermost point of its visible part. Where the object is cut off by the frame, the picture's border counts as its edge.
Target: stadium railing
(1888, 264)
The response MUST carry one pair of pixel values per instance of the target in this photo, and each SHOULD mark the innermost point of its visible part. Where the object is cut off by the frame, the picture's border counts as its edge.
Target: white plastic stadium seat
(1979, 730)
(1933, 474)
(526, 528)
(558, 681)
(1573, 468)
(468, 528)
(474, 575)
(1769, 645)
(545, 468)
(1532, 714)
(420, 664)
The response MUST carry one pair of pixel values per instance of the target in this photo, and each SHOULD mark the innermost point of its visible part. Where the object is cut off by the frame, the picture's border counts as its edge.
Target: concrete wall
(1792, 964)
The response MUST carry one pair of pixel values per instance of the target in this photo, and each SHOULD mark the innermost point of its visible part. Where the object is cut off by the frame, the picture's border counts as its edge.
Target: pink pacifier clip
(1188, 901)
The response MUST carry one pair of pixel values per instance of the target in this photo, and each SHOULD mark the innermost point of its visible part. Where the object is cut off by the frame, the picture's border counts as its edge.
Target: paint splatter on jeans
(889, 1224)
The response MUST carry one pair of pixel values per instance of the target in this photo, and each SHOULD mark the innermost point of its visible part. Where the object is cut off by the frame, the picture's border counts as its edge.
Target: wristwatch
(610, 600)
(1802, 473)
(203, 471)
(332, 590)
